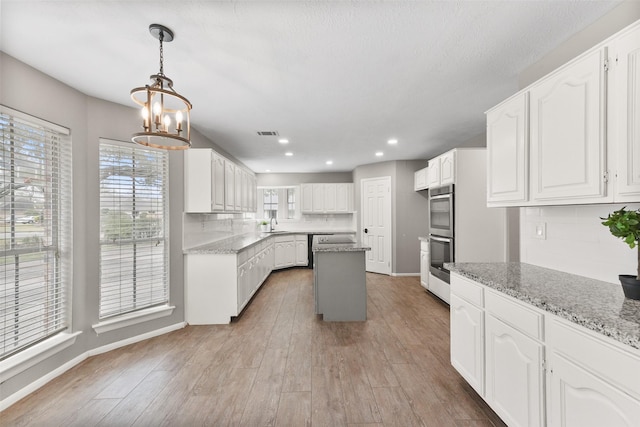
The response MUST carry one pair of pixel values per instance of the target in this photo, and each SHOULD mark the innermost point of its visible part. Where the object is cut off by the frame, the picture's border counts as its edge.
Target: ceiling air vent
(268, 132)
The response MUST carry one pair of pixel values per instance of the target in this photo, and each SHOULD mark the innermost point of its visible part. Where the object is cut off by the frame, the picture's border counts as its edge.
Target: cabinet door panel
(217, 184)
(580, 399)
(567, 133)
(229, 186)
(197, 180)
(507, 152)
(424, 269)
(344, 197)
(433, 173)
(627, 101)
(238, 190)
(330, 197)
(307, 197)
(514, 375)
(467, 347)
(318, 197)
(448, 168)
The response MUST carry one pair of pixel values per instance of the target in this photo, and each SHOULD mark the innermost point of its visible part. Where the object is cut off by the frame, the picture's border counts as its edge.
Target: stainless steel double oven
(441, 230)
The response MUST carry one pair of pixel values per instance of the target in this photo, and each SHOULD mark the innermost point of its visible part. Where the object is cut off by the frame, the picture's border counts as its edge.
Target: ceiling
(335, 78)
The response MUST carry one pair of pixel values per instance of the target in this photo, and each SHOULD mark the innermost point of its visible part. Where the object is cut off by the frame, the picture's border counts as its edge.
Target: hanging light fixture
(165, 113)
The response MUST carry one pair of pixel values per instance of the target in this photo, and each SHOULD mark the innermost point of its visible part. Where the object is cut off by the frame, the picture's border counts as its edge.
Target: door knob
(366, 230)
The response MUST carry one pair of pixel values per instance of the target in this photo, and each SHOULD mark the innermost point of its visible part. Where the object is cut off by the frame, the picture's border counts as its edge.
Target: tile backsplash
(572, 239)
(199, 229)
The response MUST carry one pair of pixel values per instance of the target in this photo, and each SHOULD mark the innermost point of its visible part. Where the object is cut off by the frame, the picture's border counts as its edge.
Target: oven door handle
(442, 196)
(440, 239)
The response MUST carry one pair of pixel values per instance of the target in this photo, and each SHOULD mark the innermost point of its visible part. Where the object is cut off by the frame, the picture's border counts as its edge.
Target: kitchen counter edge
(594, 304)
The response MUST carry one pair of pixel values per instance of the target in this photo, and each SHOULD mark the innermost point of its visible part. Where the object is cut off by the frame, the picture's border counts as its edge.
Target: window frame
(125, 317)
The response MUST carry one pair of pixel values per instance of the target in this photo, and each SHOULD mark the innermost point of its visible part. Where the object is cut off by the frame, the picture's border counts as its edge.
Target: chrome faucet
(273, 218)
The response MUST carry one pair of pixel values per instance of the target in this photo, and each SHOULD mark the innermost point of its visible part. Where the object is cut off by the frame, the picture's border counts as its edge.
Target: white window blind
(134, 246)
(35, 239)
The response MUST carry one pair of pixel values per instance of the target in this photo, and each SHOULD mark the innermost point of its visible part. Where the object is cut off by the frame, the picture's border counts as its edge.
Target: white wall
(576, 241)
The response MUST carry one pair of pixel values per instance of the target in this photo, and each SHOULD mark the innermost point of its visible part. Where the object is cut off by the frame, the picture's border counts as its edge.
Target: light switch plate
(540, 230)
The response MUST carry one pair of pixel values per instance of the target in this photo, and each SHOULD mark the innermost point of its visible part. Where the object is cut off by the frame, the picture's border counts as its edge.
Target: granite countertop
(321, 244)
(594, 304)
(235, 244)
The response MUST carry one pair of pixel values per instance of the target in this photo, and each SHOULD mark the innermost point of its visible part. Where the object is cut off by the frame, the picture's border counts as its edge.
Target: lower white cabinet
(219, 286)
(539, 369)
(514, 385)
(467, 341)
(291, 250)
(592, 380)
(424, 264)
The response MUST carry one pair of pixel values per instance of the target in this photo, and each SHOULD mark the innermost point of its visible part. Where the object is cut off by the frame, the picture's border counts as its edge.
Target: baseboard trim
(25, 391)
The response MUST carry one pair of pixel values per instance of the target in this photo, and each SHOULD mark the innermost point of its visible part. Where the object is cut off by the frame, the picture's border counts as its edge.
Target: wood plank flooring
(278, 364)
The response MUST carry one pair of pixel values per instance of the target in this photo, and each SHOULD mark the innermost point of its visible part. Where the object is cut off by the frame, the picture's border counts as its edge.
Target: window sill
(133, 318)
(25, 359)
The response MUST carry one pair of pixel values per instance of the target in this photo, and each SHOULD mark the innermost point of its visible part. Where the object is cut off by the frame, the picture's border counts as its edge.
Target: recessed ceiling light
(268, 170)
(379, 153)
(329, 162)
(392, 141)
(288, 153)
(283, 141)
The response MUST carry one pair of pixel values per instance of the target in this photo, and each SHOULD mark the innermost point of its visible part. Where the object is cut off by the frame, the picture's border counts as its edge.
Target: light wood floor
(278, 364)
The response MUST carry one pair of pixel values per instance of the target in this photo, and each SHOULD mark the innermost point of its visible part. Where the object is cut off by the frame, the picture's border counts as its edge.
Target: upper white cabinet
(626, 107)
(508, 152)
(568, 151)
(583, 132)
(215, 184)
(420, 179)
(327, 198)
(442, 170)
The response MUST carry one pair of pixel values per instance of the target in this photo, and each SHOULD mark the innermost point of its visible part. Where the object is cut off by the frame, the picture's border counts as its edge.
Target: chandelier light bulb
(167, 122)
(179, 120)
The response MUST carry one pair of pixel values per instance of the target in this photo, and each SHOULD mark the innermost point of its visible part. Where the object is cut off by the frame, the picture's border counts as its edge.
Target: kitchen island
(340, 288)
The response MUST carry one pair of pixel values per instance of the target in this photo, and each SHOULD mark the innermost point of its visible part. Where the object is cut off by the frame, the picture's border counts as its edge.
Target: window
(277, 202)
(134, 247)
(270, 203)
(35, 239)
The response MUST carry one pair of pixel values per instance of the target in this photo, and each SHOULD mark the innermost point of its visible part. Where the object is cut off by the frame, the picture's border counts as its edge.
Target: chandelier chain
(161, 37)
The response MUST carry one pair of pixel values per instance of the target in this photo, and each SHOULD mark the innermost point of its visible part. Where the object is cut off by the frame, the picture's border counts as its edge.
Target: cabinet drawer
(614, 362)
(514, 313)
(467, 289)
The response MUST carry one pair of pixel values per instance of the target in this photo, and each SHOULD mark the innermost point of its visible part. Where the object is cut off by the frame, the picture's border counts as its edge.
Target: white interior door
(376, 223)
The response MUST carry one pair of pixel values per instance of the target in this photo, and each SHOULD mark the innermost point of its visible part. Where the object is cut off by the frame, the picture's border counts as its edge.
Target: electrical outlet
(540, 230)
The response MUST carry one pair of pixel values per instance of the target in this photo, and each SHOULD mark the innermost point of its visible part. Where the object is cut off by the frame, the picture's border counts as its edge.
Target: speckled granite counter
(235, 244)
(343, 246)
(596, 305)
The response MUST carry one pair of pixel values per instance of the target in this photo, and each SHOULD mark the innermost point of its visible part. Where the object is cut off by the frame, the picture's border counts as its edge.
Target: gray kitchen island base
(340, 285)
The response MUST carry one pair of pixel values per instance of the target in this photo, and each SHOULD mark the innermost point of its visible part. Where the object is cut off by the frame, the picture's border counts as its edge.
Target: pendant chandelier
(165, 113)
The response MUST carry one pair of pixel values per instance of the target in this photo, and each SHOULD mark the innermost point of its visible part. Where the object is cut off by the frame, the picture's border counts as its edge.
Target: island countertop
(326, 244)
(593, 304)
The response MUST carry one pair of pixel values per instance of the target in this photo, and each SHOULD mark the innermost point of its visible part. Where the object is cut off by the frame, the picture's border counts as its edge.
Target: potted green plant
(264, 225)
(626, 225)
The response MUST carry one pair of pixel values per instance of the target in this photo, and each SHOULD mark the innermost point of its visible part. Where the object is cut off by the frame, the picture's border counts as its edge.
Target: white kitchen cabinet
(302, 249)
(344, 197)
(568, 151)
(626, 108)
(211, 185)
(318, 197)
(424, 264)
(442, 170)
(467, 341)
(514, 385)
(285, 251)
(420, 178)
(508, 152)
(467, 331)
(219, 286)
(217, 182)
(433, 173)
(229, 185)
(327, 198)
(306, 197)
(198, 180)
(592, 380)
